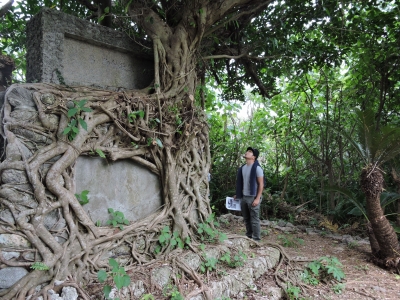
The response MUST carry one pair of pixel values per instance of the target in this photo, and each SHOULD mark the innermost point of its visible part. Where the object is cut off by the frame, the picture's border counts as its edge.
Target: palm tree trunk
(382, 231)
(396, 179)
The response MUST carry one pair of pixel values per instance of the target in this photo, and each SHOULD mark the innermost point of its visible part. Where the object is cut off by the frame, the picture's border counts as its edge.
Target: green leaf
(119, 281)
(222, 237)
(314, 267)
(336, 272)
(67, 130)
(83, 123)
(113, 263)
(100, 153)
(86, 109)
(127, 6)
(159, 143)
(126, 280)
(102, 275)
(107, 291)
(355, 212)
(39, 266)
(83, 199)
(107, 10)
(82, 103)
(72, 112)
(75, 129)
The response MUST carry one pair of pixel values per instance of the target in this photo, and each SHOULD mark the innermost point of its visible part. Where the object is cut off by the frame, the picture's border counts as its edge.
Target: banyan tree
(163, 127)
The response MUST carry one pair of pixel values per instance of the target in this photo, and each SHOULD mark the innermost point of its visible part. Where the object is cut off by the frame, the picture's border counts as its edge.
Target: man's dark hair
(256, 153)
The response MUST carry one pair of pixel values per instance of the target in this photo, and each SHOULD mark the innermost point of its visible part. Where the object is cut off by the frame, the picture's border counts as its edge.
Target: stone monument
(64, 49)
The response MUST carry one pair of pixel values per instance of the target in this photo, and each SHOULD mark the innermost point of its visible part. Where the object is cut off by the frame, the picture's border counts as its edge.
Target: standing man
(249, 187)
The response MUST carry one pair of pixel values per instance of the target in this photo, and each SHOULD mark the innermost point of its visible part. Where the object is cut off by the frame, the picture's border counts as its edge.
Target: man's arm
(260, 182)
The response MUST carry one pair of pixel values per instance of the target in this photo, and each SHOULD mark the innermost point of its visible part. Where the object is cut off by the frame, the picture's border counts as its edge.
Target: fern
(38, 265)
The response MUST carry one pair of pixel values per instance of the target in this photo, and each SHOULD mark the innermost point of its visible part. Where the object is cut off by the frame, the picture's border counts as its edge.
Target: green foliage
(117, 219)
(352, 244)
(135, 114)
(309, 278)
(265, 232)
(231, 260)
(290, 241)
(147, 297)
(73, 114)
(237, 260)
(374, 145)
(209, 265)
(338, 288)
(173, 240)
(292, 291)
(154, 142)
(325, 268)
(100, 153)
(208, 232)
(38, 265)
(172, 293)
(82, 197)
(153, 122)
(106, 12)
(118, 275)
(159, 143)
(323, 233)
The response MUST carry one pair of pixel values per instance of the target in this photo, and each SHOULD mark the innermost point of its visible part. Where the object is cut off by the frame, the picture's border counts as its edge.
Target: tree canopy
(309, 66)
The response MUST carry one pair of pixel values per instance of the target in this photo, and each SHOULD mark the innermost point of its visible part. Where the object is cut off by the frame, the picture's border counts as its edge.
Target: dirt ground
(363, 280)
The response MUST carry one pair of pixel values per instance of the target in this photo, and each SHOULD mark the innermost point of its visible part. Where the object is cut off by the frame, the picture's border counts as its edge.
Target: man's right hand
(234, 197)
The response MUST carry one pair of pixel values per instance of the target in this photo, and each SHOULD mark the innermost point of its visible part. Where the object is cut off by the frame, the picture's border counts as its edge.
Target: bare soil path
(363, 280)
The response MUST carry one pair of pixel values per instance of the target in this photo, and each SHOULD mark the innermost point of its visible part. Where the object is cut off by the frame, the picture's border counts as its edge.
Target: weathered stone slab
(8, 240)
(64, 49)
(122, 185)
(9, 276)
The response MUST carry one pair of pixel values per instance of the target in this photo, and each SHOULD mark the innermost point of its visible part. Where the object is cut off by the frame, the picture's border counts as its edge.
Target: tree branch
(309, 150)
(219, 14)
(6, 7)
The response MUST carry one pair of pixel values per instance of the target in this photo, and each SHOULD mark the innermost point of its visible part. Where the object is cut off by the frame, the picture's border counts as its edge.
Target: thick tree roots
(44, 138)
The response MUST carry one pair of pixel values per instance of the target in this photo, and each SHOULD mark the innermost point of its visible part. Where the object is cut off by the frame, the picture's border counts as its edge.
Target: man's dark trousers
(251, 216)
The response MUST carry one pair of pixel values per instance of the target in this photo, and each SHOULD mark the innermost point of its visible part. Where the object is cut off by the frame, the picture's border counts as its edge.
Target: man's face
(249, 154)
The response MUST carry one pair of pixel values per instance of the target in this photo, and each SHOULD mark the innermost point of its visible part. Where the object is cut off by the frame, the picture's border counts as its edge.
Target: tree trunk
(396, 179)
(381, 234)
(7, 65)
